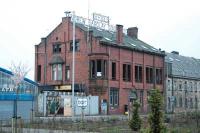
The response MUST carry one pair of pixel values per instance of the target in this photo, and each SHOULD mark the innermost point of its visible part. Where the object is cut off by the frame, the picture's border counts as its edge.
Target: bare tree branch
(19, 72)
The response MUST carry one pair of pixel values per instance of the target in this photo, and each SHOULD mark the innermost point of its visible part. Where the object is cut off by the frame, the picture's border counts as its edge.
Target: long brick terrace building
(113, 65)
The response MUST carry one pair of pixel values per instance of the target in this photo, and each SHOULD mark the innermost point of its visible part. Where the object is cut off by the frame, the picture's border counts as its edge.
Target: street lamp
(73, 64)
(68, 13)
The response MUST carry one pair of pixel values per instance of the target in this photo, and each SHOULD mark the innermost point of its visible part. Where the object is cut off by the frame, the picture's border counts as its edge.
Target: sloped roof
(109, 37)
(10, 73)
(183, 66)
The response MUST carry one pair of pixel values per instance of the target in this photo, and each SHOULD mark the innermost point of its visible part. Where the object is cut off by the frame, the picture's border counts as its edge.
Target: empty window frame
(57, 48)
(39, 73)
(98, 68)
(113, 70)
(77, 46)
(158, 76)
(126, 72)
(149, 74)
(138, 73)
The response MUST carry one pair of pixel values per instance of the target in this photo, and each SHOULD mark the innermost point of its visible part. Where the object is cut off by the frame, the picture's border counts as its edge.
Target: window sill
(114, 107)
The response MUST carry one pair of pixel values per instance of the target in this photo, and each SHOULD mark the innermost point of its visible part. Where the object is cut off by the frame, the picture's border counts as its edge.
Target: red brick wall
(63, 34)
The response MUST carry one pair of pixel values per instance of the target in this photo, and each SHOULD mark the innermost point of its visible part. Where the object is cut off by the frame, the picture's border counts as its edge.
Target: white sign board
(82, 102)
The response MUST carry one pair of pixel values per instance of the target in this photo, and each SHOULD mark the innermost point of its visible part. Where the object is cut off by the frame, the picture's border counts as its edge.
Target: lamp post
(73, 59)
(73, 64)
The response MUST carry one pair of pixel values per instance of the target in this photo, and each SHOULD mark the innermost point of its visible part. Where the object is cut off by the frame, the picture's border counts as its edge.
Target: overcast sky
(166, 24)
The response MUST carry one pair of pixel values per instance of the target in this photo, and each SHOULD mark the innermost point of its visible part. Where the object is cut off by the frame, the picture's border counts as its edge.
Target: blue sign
(14, 96)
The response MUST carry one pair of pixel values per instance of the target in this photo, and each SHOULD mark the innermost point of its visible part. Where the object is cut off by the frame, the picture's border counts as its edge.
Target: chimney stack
(119, 34)
(132, 32)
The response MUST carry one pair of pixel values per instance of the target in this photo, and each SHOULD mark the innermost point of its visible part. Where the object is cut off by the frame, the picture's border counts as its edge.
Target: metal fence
(66, 124)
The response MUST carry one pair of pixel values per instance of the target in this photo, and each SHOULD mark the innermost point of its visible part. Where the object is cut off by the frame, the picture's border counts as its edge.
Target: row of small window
(98, 69)
(191, 87)
(188, 103)
(57, 47)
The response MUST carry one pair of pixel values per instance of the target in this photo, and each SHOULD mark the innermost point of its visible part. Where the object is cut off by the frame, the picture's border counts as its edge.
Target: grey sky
(166, 24)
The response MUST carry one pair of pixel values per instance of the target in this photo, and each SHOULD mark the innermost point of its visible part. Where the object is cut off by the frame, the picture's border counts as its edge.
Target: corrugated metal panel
(24, 109)
(6, 109)
(92, 107)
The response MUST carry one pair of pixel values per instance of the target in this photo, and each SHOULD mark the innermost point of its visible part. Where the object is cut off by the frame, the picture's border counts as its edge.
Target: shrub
(135, 122)
(156, 115)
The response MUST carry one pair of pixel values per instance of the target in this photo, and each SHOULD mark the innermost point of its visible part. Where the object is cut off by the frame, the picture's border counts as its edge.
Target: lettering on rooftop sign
(99, 21)
(101, 18)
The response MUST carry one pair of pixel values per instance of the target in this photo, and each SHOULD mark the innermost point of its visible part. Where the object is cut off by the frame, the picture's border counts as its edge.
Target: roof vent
(175, 52)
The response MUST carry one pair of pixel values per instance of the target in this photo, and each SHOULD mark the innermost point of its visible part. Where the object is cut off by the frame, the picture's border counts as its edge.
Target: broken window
(138, 73)
(77, 46)
(98, 68)
(126, 72)
(149, 74)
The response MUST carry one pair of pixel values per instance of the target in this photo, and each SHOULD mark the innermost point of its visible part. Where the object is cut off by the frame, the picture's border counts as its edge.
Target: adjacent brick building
(115, 66)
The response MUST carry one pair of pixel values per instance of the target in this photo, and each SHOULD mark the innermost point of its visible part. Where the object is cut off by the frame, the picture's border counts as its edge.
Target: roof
(183, 66)
(10, 73)
(109, 37)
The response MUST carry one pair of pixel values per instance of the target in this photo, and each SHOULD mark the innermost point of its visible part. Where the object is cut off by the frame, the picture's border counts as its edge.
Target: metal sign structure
(82, 102)
(99, 21)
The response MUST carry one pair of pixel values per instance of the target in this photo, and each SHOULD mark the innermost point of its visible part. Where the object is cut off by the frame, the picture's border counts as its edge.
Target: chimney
(119, 34)
(132, 32)
(68, 16)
